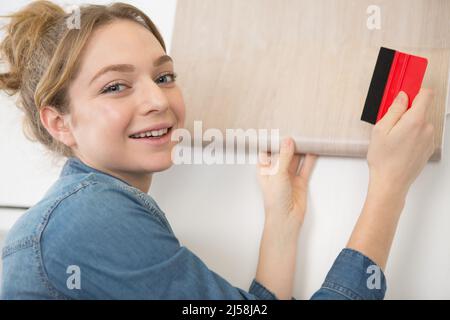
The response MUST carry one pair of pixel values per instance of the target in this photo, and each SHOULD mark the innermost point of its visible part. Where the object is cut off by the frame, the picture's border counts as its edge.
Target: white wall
(217, 211)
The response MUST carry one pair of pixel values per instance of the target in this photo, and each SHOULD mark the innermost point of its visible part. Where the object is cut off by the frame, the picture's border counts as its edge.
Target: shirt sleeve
(260, 291)
(353, 276)
(123, 251)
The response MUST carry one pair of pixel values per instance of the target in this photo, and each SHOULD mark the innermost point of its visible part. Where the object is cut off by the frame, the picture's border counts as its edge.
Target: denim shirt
(94, 236)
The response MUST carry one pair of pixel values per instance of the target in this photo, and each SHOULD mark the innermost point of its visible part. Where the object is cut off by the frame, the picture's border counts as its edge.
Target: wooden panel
(303, 66)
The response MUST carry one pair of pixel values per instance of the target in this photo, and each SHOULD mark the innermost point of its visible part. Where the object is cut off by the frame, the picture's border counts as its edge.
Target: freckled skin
(101, 123)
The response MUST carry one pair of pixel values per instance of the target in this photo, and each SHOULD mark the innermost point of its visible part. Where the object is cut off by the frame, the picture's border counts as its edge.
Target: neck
(141, 181)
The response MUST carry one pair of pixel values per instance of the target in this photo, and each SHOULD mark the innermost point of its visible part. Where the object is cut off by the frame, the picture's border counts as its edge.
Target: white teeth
(152, 133)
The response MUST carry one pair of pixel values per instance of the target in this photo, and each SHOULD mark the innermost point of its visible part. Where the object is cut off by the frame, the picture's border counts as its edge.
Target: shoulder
(97, 206)
(106, 197)
(103, 230)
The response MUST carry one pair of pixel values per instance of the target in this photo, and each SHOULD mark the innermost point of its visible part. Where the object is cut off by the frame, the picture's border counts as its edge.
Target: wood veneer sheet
(303, 67)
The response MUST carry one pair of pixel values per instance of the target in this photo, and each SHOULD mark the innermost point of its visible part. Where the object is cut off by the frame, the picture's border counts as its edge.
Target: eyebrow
(114, 67)
(128, 67)
(161, 60)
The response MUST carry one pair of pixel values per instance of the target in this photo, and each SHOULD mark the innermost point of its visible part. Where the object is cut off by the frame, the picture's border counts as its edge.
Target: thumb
(286, 154)
(395, 112)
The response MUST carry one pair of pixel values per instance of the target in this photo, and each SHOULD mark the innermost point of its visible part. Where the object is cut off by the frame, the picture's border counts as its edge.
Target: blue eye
(173, 75)
(113, 88)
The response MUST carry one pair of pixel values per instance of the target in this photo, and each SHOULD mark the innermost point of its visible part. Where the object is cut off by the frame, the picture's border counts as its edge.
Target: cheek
(179, 108)
(106, 120)
(113, 119)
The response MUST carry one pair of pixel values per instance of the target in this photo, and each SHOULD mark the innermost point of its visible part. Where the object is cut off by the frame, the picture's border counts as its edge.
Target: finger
(293, 166)
(307, 166)
(286, 154)
(394, 113)
(421, 103)
(263, 158)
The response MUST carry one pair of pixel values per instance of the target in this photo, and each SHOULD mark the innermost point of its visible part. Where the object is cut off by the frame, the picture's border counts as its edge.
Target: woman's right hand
(401, 144)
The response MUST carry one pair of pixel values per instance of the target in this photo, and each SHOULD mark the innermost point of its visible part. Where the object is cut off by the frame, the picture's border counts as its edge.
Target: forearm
(277, 257)
(375, 229)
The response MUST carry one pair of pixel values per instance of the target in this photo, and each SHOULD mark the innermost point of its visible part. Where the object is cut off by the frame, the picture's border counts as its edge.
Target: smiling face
(137, 94)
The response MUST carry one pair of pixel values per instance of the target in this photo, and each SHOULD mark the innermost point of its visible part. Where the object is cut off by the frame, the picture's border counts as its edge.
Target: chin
(157, 164)
(160, 167)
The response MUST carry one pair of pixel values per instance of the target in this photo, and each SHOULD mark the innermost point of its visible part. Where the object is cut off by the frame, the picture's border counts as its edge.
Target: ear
(57, 125)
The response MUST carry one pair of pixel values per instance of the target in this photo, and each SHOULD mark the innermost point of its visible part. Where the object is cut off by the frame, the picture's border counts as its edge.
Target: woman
(93, 94)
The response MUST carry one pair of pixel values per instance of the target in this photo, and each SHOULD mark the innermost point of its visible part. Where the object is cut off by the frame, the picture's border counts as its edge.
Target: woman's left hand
(284, 185)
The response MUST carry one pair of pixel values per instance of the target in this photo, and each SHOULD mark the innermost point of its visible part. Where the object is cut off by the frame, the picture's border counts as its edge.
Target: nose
(153, 98)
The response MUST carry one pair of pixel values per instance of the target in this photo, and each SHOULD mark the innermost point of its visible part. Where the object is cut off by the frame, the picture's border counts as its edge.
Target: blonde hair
(43, 54)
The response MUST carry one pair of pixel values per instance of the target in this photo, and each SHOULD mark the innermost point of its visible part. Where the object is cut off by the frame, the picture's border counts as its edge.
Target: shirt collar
(74, 165)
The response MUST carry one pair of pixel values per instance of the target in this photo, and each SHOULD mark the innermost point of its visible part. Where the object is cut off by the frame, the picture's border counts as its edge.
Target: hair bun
(23, 34)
